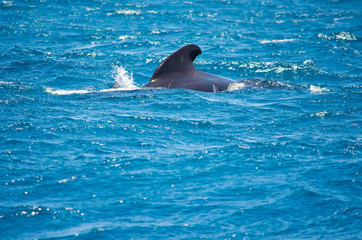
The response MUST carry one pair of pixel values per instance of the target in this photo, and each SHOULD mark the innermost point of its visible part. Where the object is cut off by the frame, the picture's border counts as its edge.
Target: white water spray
(123, 81)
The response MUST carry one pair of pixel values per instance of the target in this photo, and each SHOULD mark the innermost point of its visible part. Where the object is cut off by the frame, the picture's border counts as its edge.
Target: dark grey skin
(178, 71)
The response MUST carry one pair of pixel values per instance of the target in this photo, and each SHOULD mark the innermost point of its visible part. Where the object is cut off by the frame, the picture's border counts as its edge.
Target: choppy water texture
(79, 161)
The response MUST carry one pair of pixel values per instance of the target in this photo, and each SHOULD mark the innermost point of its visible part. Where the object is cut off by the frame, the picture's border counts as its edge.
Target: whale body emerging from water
(178, 71)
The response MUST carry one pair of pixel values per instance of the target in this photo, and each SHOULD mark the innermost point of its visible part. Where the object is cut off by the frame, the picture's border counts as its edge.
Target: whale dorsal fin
(179, 61)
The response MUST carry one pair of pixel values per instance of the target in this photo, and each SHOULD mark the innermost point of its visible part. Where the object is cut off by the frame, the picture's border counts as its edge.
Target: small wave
(66, 92)
(67, 179)
(317, 89)
(7, 3)
(125, 12)
(6, 83)
(338, 36)
(278, 67)
(278, 41)
(124, 37)
(319, 114)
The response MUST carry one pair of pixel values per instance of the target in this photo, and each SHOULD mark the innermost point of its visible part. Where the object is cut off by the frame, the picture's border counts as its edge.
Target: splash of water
(236, 86)
(123, 79)
(317, 89)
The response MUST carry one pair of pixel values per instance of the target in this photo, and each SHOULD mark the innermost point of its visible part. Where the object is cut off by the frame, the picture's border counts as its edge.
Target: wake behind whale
(123, 82)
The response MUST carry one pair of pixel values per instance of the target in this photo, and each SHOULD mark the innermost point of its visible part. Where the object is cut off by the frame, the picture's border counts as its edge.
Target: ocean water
(79, 160)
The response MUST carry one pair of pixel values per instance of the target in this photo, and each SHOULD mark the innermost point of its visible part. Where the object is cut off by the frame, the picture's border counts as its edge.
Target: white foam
(128, 12)
(83, 91)
(309, 61)
(67, 179)
(152, 11)
(317, 89)
(5, 83)
(338, 36)
(346, 36)
(125, 12)
(236, 86)
(124, 37)
(8, 3)
(123, 81)
(319, 114)
(277, 41)
(65, 92)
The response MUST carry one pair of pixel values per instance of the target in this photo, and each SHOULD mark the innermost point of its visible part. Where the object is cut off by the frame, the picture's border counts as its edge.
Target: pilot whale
(178, 71)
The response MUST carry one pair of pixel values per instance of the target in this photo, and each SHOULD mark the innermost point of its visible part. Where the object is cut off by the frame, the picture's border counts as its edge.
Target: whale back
(178, 71)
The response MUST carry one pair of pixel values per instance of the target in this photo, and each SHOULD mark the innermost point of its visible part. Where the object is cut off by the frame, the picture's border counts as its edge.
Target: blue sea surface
(79, 160)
